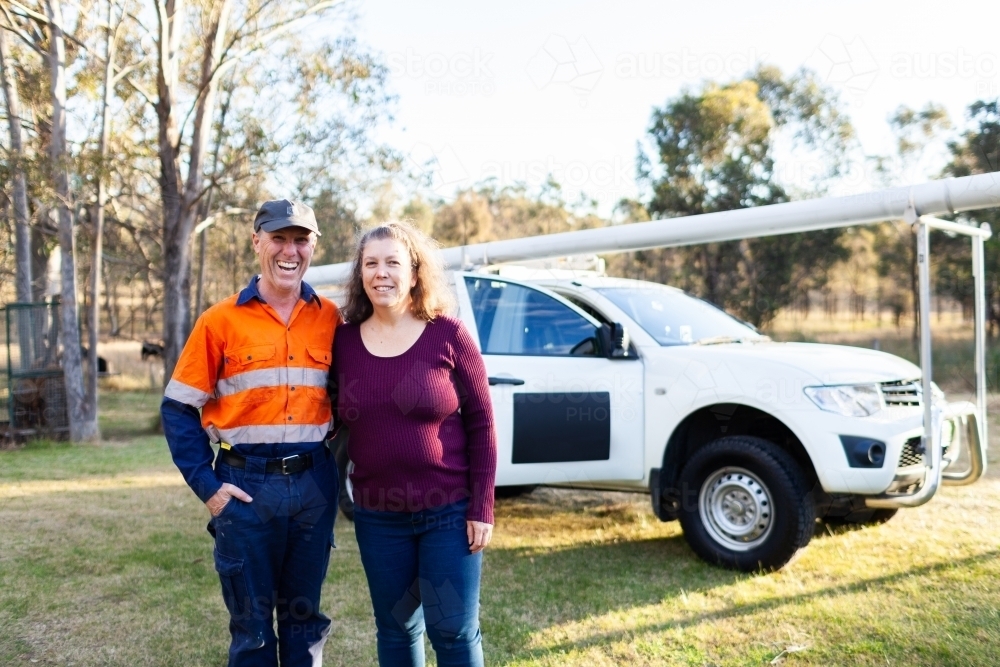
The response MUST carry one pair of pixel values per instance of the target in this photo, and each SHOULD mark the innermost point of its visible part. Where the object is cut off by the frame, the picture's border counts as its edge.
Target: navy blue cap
(280, 213)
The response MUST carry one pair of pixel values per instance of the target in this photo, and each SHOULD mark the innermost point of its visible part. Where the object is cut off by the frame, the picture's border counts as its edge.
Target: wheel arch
(710, 422)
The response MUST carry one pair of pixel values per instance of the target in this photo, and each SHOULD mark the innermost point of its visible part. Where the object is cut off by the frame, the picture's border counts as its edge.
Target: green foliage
(488, 212)
(713, 150)
(977, 151)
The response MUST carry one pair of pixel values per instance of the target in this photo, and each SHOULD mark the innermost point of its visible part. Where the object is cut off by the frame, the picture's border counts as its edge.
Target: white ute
(615, 384)
(606, 383)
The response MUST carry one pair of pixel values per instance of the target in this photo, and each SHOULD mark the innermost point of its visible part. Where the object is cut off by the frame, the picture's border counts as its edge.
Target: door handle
(498, 380)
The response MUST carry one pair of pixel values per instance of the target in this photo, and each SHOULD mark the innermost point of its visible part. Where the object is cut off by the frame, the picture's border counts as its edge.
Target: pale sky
(520, 89)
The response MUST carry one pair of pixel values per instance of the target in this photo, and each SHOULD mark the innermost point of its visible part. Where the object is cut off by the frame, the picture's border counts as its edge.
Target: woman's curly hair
(432, 295)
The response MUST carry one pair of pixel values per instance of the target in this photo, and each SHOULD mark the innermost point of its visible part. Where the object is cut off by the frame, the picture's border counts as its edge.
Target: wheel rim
(736, 508)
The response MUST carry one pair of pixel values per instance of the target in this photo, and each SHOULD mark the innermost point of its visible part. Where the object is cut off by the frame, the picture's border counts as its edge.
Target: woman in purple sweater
(414, 393)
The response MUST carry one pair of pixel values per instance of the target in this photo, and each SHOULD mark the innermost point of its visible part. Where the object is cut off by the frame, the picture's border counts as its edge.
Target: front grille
(913, 453)
(901, 393)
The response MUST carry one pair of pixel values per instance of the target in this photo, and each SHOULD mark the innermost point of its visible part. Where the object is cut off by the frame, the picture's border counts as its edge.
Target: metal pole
(937, 197)
(924, 273)
(978, 273)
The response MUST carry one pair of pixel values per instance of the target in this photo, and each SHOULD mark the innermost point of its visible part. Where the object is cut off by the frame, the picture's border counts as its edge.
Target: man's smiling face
(284, 256)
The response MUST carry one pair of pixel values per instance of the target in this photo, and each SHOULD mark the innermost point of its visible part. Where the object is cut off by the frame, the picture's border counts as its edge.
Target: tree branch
(270, 33)
(42, 19)
(11, 25)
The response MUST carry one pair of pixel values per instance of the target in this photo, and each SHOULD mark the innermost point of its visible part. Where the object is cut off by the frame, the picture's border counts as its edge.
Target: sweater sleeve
(480, 429)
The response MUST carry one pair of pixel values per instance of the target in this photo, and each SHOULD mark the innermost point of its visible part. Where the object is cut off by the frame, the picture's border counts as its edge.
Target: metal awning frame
(933, 453)
(916, 204)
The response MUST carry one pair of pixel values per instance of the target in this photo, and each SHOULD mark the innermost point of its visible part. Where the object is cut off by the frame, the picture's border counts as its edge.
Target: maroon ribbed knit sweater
(422, 431)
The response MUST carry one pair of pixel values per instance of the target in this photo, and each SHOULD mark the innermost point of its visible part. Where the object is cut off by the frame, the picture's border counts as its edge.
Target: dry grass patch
(102, 565)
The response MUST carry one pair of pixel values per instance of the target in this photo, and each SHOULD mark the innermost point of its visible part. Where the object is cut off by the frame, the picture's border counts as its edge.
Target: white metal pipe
(983, 231)
(932, 452)
(979, 282)
(936, 197)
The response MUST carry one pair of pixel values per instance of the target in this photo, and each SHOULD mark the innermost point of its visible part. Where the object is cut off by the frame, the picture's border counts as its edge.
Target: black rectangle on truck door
(568, 426)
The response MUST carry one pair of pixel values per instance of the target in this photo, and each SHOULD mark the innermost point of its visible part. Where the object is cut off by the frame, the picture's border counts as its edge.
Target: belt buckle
(284, 463)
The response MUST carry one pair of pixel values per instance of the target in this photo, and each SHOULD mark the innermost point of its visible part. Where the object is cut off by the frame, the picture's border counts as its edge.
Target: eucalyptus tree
(22, 234)
(914, 131)
(197, 46)
(977, 151)
(82, 408)
(714, 150)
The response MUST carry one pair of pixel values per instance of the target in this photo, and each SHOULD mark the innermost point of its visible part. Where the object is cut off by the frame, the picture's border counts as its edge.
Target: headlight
(858, 400)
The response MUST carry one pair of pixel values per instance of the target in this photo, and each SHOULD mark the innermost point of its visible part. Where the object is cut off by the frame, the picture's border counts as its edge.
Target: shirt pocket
(249, 356)
(321, 355)
(319, 375)
(252, 376)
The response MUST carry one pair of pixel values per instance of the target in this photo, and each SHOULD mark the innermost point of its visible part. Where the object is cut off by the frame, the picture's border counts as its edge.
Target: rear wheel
(745, 504)
(344, 467)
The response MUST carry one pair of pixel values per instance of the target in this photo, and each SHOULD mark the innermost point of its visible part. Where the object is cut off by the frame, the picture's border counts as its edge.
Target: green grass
(104, 560)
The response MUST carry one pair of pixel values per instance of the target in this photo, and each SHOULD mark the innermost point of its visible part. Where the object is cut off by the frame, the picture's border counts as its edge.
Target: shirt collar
(251, 292)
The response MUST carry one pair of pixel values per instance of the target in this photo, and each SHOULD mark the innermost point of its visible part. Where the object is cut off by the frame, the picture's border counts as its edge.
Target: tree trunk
(22, 232)
(180, 202)
(39, 259)
(81, 428)
(97, 249)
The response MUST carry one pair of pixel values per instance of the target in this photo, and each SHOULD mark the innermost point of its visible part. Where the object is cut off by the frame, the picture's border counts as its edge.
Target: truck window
(675, 318)
(585, 307)
(517, 320)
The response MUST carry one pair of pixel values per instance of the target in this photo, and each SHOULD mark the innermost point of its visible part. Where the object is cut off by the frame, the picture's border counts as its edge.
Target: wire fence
(33, 396)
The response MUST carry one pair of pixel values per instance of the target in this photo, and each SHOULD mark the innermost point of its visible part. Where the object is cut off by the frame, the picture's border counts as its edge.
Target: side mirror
(615, 341)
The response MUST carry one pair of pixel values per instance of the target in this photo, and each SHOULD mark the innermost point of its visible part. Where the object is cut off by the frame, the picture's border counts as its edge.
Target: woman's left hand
(479, 535)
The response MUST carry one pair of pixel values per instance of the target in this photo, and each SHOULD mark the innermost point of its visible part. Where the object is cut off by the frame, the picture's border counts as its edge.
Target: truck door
(564, 412)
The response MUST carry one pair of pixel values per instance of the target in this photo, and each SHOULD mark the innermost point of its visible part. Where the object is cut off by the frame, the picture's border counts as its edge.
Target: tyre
(344, 467)
(745, 504)
(513, 491)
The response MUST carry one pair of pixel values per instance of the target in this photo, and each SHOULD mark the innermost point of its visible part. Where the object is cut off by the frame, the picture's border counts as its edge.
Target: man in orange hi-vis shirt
(256, 366)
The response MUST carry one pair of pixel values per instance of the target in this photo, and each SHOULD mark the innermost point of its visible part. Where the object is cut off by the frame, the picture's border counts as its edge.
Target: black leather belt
(288, 465)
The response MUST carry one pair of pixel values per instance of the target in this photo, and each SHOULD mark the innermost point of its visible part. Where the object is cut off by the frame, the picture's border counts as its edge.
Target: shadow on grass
(586, 581)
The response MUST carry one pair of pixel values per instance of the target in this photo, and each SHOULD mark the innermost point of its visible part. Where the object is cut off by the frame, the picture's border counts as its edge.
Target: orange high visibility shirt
(256, 378)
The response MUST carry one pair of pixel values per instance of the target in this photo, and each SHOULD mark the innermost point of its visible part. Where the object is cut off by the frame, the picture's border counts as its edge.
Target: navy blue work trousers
(271, 556)
(421, 575)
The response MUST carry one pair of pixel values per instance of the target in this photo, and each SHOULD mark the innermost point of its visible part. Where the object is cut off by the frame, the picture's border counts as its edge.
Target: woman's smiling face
(387, 274)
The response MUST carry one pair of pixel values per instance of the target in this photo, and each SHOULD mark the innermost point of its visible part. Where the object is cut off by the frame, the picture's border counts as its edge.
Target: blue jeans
(420, 573)
(271, 556)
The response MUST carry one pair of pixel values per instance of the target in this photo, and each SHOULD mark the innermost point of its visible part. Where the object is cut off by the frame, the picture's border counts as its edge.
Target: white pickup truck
(616, 384)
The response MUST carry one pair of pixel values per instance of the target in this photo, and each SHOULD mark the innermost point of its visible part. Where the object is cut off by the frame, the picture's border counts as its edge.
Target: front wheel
(745, 504)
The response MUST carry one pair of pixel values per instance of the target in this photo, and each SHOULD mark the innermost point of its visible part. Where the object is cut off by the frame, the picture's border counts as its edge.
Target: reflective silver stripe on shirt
(271, 377)
(186, 394)
(273, 433)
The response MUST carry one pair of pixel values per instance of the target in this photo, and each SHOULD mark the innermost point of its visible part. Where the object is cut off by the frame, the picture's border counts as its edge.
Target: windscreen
(674, 318)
